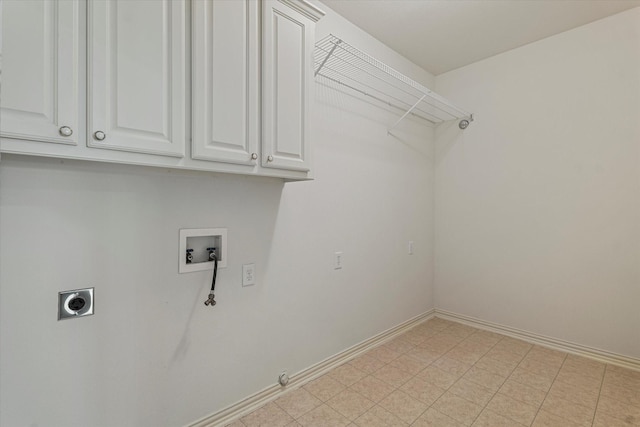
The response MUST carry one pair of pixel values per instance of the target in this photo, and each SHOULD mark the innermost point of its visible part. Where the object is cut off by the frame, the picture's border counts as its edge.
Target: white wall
(538, 201)
(153, 354)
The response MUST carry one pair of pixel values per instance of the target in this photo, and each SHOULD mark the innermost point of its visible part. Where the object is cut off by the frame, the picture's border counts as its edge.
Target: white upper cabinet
(287, 79)
(136, 80)
(225, 81)
(245, 65)
(39, 66)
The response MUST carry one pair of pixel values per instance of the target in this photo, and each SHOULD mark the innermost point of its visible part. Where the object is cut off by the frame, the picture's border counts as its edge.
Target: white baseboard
(270, 393)
(554, 343)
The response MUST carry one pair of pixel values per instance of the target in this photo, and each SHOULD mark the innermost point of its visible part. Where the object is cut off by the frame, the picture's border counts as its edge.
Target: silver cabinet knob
(254, 156)
(99, 135)
(269, 158)
(66, 131)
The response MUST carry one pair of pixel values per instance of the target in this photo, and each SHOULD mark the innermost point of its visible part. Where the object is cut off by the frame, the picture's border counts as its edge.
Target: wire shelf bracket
(338, 62)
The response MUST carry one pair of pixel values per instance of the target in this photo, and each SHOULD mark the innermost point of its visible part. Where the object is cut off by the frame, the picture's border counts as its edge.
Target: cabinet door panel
(39, 65)
(136, 79)
(225, 80)
(287, 86)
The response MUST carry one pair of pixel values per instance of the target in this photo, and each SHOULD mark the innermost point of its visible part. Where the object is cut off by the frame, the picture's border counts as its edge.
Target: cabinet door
(225, 81)
(136, 76)
(288, 42)
(39, 65)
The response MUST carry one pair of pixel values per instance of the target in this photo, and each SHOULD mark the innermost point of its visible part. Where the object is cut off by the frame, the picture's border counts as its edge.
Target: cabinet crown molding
(306, 8)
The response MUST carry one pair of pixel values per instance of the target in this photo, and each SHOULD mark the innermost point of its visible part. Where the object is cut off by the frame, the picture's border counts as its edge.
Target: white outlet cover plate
(337, 261)
(248, 274)
(183, 267)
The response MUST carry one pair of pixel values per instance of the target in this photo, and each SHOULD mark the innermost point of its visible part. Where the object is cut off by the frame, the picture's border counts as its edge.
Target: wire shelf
(337, 61)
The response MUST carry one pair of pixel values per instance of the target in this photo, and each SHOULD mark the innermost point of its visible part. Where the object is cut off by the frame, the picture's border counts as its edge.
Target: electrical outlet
(248, 274)
(337, 261)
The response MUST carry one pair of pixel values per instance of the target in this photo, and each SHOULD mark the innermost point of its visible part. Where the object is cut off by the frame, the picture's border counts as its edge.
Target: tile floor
(443, 374)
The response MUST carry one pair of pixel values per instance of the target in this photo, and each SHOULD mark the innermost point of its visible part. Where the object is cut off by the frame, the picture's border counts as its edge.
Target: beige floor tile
(568, 410)
(425, 354)
(581, 395)
(383, 354)
(487, 333)
(403, 406)
(523, 393)
(409, 364)
(617, 409)
(460, 330)
(583, 366)
(622, 394)
(347, 374)
(472, 392)
(457, 408)
(545, 419)
(485, 337)
(480, 342)
(620, 380)
(325, 387)
(516, 410)
(514, 345)
(497, 367)
(298, 402)
(433, 418)
(440, 322)
(415, 337)
(503, 355)
(539, 368)
(350, 404)
(379, 417)
(452, 366)
(270, 415)
(465, 356)
(399, 345)
(366, 363)
(624, 372)
(489, 418)
(604, 420)
(373, 388)
(323, 416)
(444, 340)
(437, 376)
(392, 375)
(532, 380)
(422, 390)
(582, 370)
(547, 356)
(485, 378)
(578, 380)
(470, 344)
(425, 331)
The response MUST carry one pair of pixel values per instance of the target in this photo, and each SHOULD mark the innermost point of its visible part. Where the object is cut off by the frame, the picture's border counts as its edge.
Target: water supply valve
(189, 256)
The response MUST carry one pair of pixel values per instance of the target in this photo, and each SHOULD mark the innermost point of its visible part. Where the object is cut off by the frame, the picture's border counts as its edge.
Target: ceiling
(441, 35)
